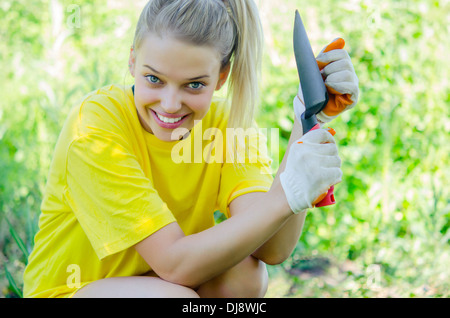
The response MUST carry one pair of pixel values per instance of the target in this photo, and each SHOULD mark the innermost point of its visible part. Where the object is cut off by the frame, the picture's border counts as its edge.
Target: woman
(121, 218)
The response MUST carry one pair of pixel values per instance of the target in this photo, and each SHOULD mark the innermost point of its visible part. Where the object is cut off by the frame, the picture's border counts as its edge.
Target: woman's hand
(340, 79)
(313, 166)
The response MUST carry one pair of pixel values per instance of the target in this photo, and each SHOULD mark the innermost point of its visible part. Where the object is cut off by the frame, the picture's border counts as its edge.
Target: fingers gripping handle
(325, 199)
(337, 102)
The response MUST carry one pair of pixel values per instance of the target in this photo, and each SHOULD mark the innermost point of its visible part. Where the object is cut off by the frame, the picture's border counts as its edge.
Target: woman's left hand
(340, 79)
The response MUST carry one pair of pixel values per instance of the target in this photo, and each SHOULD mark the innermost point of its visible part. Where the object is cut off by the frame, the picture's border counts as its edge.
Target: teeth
(168, 120)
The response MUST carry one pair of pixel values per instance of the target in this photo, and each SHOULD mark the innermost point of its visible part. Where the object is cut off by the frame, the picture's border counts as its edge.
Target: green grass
(388, 234)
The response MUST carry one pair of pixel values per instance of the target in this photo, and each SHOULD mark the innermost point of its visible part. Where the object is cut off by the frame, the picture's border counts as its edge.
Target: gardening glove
(340, 79)
(312, 167)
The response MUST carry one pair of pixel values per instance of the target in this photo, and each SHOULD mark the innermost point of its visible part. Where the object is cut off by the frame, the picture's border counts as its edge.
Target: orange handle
(337, 102)
(325, 199)
(320, 198)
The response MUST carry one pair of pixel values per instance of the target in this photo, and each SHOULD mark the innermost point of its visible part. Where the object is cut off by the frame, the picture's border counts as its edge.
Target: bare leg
(134, 287)
(248, 279)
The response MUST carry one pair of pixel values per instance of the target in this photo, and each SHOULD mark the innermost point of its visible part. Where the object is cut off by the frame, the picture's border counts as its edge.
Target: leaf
(18, 240)
(12, 283)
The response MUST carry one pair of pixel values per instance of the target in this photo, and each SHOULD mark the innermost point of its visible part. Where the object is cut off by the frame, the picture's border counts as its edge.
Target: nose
(170, 100)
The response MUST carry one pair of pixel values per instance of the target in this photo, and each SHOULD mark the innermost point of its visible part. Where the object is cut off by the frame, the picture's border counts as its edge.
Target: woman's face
(174, 83)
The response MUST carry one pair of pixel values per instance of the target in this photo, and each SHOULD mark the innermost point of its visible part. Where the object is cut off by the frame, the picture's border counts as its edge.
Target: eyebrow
(189, 79)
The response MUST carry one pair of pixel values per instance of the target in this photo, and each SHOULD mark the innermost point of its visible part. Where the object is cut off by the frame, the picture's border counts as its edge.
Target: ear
(223, 75)
(132, 61)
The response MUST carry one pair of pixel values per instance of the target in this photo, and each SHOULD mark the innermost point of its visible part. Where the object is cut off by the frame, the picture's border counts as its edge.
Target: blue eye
(195, 85)
(153, 79)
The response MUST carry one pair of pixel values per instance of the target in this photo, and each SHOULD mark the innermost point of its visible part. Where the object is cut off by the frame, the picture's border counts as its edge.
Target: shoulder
(107, 109)
(112, 100)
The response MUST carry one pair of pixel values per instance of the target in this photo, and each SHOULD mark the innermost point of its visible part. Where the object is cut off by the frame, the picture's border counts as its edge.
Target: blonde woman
(121, 218)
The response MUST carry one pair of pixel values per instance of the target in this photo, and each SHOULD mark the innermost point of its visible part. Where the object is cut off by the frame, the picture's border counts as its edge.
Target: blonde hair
(232, 27)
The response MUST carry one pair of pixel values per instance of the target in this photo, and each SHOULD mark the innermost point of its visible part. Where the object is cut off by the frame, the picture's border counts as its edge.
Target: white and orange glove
(340, 79)
(313, 166)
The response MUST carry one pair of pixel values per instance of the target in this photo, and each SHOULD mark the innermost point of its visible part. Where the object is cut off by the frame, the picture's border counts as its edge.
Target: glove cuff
(323, 118)
(299, 107)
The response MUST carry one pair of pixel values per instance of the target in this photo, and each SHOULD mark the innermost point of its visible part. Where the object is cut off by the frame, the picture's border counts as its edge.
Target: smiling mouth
(168, 122)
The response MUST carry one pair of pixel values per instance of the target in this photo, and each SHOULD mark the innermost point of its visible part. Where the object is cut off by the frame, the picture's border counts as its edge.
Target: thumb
(337, 43)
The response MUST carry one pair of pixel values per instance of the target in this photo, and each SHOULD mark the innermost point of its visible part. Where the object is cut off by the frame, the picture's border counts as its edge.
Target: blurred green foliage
(388, 234)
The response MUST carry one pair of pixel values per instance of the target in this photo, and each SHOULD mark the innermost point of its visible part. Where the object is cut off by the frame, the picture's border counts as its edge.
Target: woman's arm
(280, 246)
(194, 259)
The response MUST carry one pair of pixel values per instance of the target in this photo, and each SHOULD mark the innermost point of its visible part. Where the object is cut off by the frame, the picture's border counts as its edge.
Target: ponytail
(246, 62)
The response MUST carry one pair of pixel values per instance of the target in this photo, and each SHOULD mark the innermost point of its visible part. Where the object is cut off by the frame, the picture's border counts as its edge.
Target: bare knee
(254, 279)
(179, 291)
(248, 279)
(255, 284)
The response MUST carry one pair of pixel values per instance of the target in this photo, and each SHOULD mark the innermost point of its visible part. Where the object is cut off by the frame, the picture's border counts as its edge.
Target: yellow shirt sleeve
(247, 167)
(114, 202)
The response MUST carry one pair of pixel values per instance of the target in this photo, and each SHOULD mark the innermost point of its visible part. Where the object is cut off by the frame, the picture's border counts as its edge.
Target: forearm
(281, 245)
(199, 257)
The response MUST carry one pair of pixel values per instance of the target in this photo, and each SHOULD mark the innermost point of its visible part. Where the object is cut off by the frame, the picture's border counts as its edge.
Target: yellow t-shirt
(112, 184)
